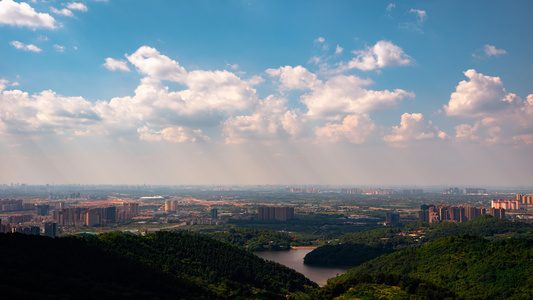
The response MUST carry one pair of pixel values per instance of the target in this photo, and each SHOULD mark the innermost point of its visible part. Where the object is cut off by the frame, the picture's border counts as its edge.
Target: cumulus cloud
(22, 14)
(154, 112)
(295, 78)
(174, 134)
(114, 65)
(77, 6)
(488, 51)
(59, 48)
(390, 7)
(501, 117)
(382, 54)
(271, 120)
(467, 131)
(354, 129)
(320, 40)
(44, 113)
(338, 50)
(343, 95)
(64, 12)
(413, 127)
(481, 95)
(22, 46)
(149, 61)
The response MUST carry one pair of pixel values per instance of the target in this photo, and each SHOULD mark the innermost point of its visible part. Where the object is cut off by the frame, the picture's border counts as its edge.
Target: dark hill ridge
(470, 266)
(163, 265)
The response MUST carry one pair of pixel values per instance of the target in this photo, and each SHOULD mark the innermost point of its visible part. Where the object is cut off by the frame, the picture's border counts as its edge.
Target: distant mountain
(469, 266)
(163, 265)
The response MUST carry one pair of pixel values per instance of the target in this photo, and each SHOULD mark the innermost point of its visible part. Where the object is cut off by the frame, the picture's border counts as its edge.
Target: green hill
(160, 265)
(358, 247)
(255, 239)
(470, 266)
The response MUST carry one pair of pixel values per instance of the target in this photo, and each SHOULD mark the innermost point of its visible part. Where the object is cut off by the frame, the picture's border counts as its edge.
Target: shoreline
(304, 247)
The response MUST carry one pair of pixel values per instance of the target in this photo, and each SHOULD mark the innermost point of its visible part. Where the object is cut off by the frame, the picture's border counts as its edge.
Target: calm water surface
(294, 259)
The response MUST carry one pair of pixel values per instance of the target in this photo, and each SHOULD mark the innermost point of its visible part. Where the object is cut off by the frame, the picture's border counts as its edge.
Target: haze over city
(266, 92)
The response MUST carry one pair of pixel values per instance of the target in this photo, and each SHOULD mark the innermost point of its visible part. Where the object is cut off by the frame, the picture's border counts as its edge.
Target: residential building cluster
(465, 191)
(103, 216)
(459, 214)
(278, 213)
(171, 205)
(303, 190)
(47, 229)
(412, 192)
(509, 204)
(368, 191)
(525, 199)
(7, 205)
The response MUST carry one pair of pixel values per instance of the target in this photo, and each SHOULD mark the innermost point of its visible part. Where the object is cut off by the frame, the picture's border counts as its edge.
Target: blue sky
(266, 92)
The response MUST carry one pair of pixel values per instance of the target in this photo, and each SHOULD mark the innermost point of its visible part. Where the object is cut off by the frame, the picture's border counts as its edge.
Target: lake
(294, 259)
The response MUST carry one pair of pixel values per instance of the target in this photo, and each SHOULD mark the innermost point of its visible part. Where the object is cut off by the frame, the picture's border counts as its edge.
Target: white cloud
(488, 51)
(77, 6)
(382, 54)
(338, 50)
(271, 120)
(320, 40)
(150, 62)
(467, 131)
(44, 113)
(354, 129)
(413, 127)
(492, 51)
(390, 7)
(342, 95)
(421, 14)
(314, 60)
(295, 78)
(59, 48)
(481, 96)
(114, 64)
(22, 14)
(209, 96)
(174, 134)
(21, 46)
(63, 12)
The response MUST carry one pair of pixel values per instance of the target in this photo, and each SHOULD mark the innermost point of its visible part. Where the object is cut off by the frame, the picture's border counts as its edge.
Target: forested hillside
(469, 266)
(157, 265)
(356, 248)
(256, 239)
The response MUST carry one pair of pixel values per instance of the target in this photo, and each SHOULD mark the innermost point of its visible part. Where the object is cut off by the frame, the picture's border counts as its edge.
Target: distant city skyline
(356, 93)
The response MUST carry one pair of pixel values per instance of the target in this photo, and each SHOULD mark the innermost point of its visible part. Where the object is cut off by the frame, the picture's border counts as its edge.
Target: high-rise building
(42, 210)
(497, 212)
(171, 205)
(109, 215)
(392, 218)
(131, 209)
(50, 229)
(214, 213)
(279, 213)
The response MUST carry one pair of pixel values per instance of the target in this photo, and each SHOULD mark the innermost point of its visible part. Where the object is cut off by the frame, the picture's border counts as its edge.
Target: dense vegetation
(157, 265)
(470, 266)
(387, 240)
(35, 267)
(344, 255)
(380, 286)
(256, 239)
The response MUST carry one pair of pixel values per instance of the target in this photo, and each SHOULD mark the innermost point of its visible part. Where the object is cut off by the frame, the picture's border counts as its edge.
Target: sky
(382, 93)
